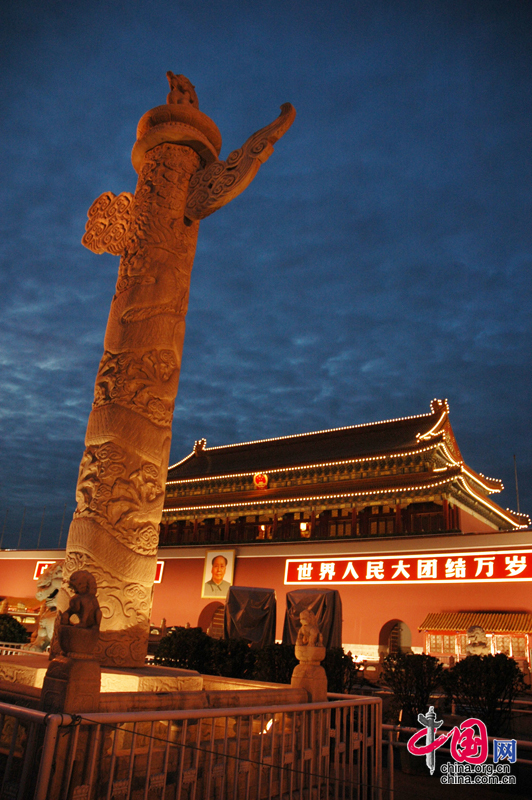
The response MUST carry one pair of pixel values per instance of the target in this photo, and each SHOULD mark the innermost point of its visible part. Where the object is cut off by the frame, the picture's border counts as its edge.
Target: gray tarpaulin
(250, 614)
(326, 605)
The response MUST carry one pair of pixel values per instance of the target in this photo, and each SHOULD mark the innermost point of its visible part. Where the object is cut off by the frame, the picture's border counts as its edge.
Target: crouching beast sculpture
(48, 586)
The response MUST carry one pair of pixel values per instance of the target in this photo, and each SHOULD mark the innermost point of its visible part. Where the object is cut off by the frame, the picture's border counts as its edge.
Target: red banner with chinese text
(491, 566)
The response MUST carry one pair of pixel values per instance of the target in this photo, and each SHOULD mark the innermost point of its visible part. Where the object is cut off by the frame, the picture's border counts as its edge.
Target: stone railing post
(310, 652)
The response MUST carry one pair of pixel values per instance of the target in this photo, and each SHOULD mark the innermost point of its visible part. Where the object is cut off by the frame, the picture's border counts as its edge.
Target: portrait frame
(229, 555)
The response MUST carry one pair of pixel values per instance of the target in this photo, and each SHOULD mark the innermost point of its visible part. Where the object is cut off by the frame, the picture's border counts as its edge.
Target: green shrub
(13, 631)
(412, 678)
(485, 687)
(343, 674)
(188, 648)
(232, 658)
(275, 663)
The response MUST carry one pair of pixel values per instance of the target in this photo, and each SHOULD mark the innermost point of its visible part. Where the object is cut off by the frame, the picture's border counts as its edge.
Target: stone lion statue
(83, 604)
(182, 92)
(48, 586)
(309, 634)
(477, 642)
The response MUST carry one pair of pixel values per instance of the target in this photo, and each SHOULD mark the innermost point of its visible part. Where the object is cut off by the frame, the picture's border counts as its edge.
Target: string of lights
(311, 498)
(434, 405)
(317, 465)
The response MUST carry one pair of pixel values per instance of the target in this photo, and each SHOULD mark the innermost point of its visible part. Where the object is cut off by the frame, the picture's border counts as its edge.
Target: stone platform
(29, 670)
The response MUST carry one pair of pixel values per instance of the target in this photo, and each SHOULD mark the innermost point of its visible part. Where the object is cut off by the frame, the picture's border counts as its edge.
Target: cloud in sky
(380, 258)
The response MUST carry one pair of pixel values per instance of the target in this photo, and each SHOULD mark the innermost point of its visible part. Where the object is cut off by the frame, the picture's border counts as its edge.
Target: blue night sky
(380, 258)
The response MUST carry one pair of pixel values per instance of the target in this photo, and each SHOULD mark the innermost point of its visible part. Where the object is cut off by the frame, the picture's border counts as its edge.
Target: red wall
(178, 597)
(366, 609)
(16, 578)
(470, 524)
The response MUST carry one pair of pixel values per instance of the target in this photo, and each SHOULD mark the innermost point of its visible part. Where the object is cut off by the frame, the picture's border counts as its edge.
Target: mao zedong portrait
(217, 586)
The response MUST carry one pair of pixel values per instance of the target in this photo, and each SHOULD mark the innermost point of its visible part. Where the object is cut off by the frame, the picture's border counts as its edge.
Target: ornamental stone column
(120, 490)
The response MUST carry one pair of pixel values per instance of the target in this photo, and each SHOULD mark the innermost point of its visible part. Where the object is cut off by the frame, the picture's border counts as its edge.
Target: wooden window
(518, 647)
(449, 643)
(503, 644)
(340, 529)
(442, 643)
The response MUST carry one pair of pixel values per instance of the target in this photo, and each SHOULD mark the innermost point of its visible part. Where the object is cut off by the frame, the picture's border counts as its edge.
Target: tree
(188, 648)
(413, 678)
(342, 671)
(275, 663)
(11, 630)
(485, 687)
(232, 658)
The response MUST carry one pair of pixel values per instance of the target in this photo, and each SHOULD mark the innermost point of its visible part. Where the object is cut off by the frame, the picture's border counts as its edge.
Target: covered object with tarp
(250, 614)
(325, 604)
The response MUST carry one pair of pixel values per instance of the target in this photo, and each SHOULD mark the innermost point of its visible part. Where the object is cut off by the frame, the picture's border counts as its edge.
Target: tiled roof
(490, 621)
(358, 441)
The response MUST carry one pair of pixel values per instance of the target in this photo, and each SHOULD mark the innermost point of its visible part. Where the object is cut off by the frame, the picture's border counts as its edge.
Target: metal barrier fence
(24, 735)
(290, 752)
(12, 649)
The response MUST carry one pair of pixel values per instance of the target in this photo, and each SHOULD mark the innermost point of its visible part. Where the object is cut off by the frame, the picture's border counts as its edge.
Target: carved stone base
(309, 674)
(312, 678)
(31, 671)
(71, 685)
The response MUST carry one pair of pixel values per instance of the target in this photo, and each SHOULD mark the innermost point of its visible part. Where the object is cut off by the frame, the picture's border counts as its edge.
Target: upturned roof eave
(490, 484)
(519, 521)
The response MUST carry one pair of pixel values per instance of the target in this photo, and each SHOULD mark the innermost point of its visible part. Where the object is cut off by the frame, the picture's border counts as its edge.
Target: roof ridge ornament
(440, 407)
(437, 406)
(200, 446)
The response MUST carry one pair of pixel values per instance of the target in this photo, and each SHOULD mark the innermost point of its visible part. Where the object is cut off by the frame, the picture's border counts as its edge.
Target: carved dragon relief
(124, 607)
(129, 602)
(220, 182)
(126, 224)
(143, 382)
(127, 503)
